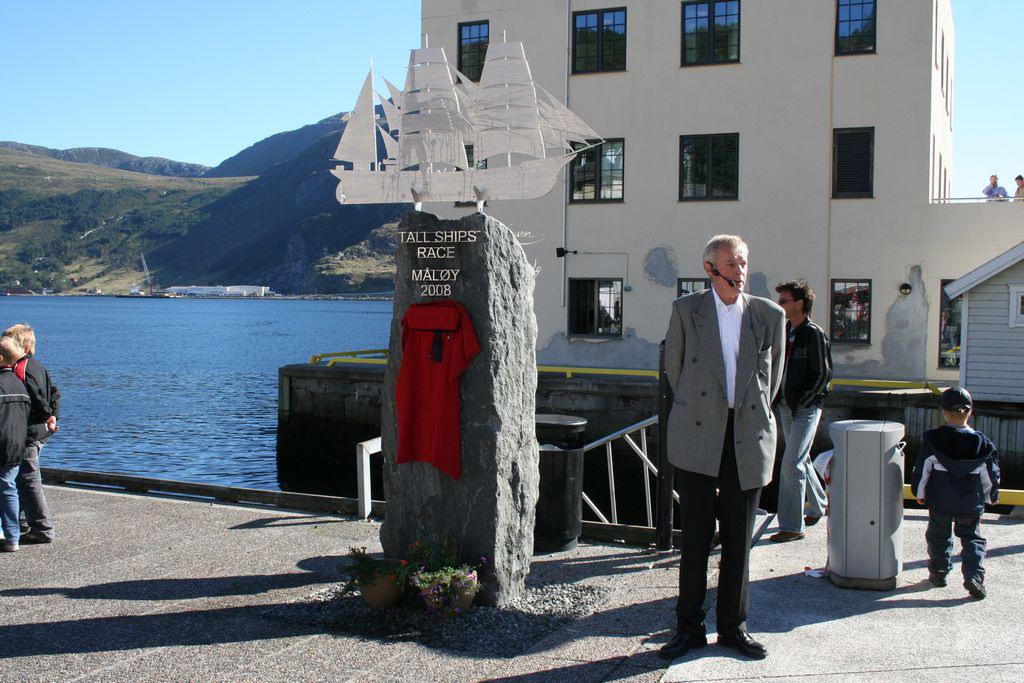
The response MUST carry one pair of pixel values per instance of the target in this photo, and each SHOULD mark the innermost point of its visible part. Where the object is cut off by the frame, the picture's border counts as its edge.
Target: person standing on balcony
(994, 191)
(804, 387)
(723, 359)
(1019, 194)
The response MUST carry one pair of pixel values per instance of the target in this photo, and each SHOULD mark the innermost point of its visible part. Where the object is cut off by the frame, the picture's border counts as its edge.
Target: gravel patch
(489, 631)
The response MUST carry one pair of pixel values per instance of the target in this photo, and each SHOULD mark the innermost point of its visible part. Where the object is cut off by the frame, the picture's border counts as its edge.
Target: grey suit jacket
(696, 372)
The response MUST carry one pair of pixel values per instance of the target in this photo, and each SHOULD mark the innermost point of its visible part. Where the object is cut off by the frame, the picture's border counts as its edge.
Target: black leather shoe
(681, 644)
(744, 644)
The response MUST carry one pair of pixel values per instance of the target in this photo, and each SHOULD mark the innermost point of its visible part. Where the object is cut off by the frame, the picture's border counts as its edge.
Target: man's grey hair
(718, 241)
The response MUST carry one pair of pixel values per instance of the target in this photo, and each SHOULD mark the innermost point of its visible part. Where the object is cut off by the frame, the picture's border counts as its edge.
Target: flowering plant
(446, 584)
(449, 590)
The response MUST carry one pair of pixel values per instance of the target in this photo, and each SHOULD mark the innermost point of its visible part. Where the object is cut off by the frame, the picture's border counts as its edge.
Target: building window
(855, 27)
(851, 311)
(597, 173)
(473, 38)
(949, 328)
(711, 32)
(691, 285)
(599, 41)
(595, 307)
(853, 161)
(471, 158)
(709, 166)
(1016, 306)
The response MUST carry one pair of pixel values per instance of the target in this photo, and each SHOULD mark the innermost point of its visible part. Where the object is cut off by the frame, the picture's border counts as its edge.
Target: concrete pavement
(144, 587)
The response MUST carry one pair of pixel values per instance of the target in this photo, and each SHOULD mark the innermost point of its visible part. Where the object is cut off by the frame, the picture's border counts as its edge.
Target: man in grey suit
(724, 355)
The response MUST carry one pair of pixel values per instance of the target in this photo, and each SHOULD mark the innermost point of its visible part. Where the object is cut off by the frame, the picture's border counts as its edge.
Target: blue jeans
(940, 544)
(797, 477)
(9, 504)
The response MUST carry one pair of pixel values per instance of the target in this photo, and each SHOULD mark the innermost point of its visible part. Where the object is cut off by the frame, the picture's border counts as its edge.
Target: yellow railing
(886, 384)
(364, 357)
(380, 357)
(1006, 496)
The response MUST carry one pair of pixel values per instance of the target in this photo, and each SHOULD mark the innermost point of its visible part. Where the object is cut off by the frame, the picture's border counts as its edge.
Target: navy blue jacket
(14, 407)
(957, 471)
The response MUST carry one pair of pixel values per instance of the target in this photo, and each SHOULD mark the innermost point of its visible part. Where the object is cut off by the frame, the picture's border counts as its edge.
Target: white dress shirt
(729, 318)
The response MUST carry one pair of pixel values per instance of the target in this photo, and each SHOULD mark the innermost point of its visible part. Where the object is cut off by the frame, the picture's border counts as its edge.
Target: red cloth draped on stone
(438, 343)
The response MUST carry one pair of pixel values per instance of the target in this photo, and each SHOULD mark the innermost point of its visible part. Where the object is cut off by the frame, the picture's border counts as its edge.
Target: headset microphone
(732, 283)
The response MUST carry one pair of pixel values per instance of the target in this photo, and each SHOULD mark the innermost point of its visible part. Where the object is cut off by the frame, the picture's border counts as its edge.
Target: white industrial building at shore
(228, 291)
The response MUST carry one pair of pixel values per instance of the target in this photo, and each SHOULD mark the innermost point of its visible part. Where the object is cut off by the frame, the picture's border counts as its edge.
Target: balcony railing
(976, 200)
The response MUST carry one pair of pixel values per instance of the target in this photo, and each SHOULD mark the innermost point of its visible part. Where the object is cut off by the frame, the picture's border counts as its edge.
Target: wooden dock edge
(228, 494)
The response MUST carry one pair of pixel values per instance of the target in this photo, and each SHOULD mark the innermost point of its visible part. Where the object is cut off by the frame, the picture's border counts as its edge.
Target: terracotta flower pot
(381, 593)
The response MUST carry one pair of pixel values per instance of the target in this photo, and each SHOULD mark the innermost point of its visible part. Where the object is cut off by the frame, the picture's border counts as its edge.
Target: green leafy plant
(362, 569)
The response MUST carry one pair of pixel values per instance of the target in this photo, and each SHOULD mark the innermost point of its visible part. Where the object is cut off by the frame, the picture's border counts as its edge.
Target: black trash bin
(560, 503)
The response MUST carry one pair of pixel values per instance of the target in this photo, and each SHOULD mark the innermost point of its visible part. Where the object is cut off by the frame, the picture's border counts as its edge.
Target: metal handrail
(977, 200)
(626, 435)
(365, 449)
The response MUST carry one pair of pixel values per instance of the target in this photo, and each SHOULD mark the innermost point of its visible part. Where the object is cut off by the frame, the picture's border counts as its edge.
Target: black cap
(955, 398)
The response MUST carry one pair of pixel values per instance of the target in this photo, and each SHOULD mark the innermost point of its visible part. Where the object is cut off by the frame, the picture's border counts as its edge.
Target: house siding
(995, 351)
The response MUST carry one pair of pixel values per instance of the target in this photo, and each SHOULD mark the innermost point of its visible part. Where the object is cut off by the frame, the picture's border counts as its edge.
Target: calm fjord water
(178, 388)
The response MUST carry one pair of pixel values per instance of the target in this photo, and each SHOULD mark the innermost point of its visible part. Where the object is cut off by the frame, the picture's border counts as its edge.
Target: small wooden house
(992, 331)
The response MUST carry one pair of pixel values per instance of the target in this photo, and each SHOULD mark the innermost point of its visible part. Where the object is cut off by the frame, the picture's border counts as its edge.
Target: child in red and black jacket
(14, 410)
(45, 400)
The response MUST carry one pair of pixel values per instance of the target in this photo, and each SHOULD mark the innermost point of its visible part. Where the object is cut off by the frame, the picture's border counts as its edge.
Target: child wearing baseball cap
(955, 475)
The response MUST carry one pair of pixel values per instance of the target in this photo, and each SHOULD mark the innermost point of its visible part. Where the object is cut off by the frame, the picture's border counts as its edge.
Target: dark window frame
(874, 42)
(458, 58)
(597, 292)
(946, 304)
(710, 61)
(681, 280)
(600, 41)
(599, 153)
(836, 193)
(709, 196)
(832, 305)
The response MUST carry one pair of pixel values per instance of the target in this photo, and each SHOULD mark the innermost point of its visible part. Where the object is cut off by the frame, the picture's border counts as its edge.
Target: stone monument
(489, 510)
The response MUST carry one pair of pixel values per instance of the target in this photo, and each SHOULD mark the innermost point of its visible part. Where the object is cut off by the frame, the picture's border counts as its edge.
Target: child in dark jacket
(14, 407)
(45, 409)
(955, 475)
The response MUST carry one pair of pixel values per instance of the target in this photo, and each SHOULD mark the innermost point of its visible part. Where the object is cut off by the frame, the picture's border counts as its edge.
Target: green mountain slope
(70, 226)
(112, 158)
(66, 225)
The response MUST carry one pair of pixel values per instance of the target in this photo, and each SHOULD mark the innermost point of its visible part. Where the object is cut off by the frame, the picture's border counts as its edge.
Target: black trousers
(701, 497)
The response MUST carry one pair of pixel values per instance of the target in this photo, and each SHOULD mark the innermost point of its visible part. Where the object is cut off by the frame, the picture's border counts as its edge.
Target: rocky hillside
(261, 156)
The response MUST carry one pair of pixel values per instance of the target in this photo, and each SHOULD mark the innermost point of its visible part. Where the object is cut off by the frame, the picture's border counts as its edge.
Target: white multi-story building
(820, 130)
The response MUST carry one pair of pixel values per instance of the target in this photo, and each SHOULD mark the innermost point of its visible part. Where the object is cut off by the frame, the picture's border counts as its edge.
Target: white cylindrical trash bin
(865, 513)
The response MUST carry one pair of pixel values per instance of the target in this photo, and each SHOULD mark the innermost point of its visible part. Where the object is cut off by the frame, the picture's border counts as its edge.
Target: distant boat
(504, 138)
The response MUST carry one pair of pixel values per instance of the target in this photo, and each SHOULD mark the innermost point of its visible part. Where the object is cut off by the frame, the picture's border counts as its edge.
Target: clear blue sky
(199, 80)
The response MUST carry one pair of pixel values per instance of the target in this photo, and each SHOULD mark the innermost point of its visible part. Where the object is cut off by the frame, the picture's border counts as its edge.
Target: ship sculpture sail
(446, 138)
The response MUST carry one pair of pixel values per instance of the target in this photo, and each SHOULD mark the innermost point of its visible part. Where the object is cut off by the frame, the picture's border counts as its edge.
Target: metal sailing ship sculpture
(446, 138)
